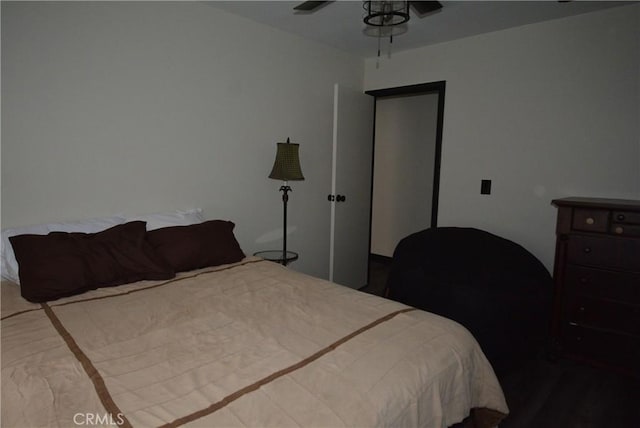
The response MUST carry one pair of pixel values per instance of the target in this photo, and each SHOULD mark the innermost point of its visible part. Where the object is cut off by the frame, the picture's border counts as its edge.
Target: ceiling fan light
(386, 31)
(385, 13)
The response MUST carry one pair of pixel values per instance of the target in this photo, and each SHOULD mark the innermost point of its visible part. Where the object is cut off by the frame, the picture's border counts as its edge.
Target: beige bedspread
(251, 344)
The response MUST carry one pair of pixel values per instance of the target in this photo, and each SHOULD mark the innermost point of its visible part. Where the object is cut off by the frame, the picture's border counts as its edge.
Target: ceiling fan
(420, 7)
(384, 17)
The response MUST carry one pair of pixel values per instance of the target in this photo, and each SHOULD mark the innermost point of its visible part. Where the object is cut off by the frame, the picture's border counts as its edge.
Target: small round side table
(277, 256)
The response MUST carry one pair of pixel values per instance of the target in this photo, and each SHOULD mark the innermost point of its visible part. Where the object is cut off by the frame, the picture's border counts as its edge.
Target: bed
(247, 343)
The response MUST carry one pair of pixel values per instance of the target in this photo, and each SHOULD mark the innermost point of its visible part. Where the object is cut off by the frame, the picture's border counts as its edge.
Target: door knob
(337, 198)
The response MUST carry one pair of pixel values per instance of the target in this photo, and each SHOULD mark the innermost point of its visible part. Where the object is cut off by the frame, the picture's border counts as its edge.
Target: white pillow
(171, 218)
(9, 265)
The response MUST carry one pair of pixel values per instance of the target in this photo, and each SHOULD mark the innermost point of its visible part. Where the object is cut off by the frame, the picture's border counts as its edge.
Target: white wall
(142, 106)
(545, 110)
(405, 141)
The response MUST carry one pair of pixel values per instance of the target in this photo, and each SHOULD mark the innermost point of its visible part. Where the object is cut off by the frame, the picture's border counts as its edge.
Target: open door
(351, 187)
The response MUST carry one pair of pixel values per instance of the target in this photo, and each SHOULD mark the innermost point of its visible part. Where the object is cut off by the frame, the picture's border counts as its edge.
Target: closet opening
(407, 147)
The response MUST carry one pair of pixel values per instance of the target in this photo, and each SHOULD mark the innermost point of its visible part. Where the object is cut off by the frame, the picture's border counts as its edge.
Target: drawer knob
(581, 309)
(589, 220)
(620, 217)
(583, 280)
(587, 250)
(619, 230)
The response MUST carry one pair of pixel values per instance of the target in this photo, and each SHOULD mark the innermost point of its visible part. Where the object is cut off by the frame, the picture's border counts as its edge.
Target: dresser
(596, 314)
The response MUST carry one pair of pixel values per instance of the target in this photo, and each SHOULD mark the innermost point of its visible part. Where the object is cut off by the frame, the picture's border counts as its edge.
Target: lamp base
(285, 189)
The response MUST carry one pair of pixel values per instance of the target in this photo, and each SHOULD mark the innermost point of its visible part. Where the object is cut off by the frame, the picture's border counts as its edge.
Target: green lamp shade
(287, 164)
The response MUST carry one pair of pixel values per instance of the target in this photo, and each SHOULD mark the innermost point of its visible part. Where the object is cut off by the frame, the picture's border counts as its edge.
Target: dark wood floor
(567, 394)
(556, 394)
(378, 274)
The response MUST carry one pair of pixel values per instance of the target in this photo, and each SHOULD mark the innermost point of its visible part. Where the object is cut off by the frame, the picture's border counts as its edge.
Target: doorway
(408, 124)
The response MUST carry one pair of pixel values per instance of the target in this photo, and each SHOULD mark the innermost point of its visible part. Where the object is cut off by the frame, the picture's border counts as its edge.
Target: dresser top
(620, 204)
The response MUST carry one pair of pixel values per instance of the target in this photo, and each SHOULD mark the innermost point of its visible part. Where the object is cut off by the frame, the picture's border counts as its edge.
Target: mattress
(249, 344)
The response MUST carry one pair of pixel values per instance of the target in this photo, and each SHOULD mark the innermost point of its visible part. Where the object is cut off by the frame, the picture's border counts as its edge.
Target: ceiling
(339, 24)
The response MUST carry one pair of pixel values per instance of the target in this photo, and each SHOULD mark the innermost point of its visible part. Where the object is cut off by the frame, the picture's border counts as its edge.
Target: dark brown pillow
(62, 264)
(211, 243)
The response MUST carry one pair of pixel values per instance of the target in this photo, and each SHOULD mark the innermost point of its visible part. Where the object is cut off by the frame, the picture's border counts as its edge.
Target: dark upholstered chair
(494, 287)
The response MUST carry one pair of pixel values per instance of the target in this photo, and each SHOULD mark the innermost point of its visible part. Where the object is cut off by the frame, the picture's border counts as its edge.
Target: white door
(351, 186)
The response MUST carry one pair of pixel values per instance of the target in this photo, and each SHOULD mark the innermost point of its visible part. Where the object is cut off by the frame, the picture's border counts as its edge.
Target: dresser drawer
(603, 284)
(605, 314)
(623, 229)
(618, 350)
(590, 220)
(607, 252)
(626, 217)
